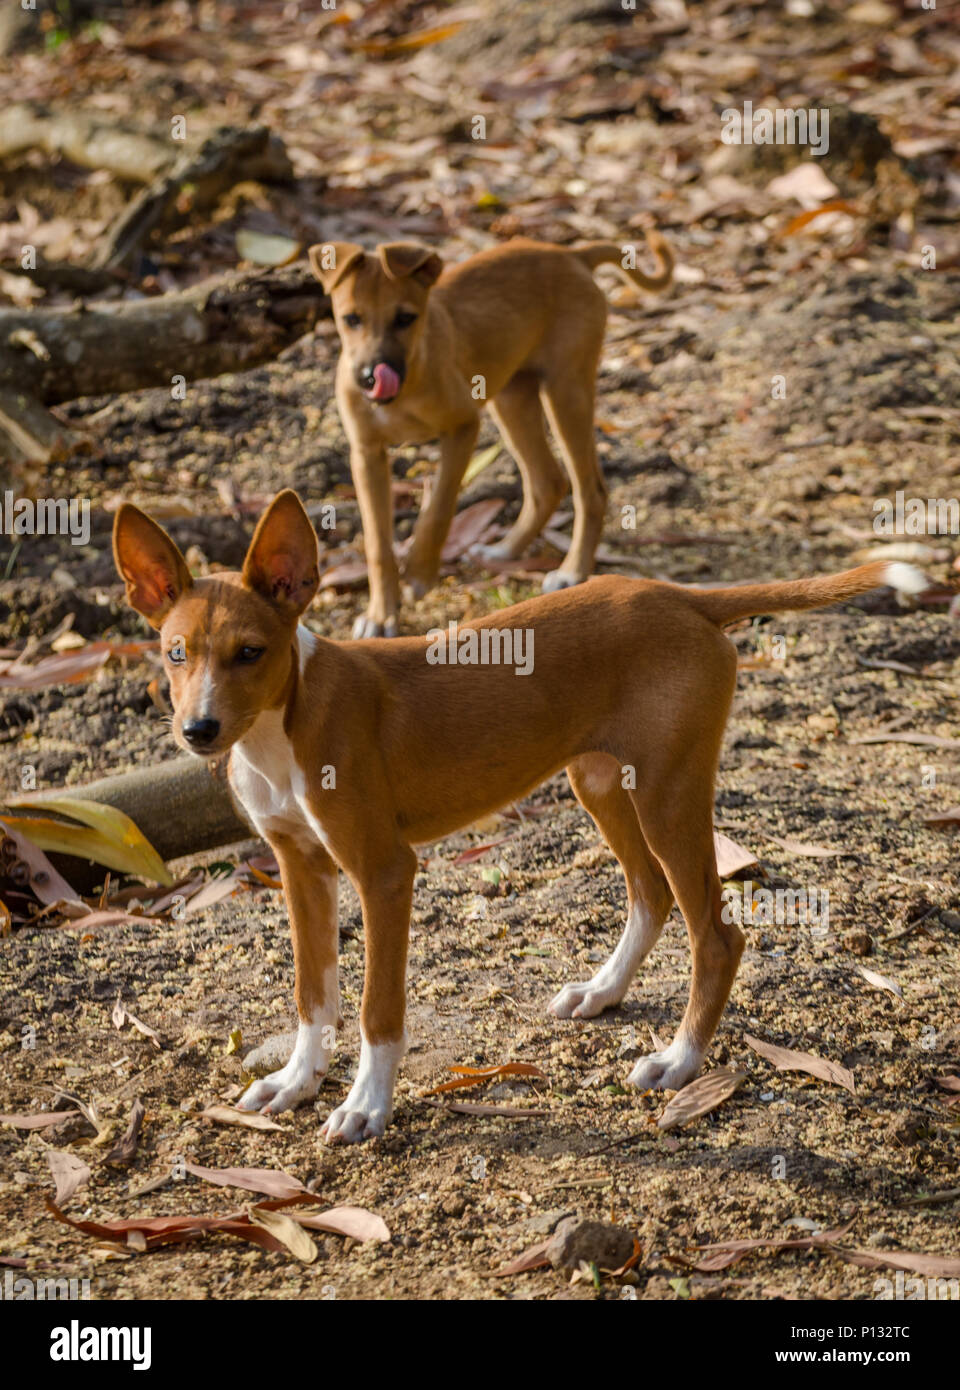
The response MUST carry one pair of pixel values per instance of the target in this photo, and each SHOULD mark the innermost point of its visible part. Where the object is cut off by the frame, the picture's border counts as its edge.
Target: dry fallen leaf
(786, 1059)
(283, 1228)
(700, 1097)
(38, 1121)
(880, 981)
(69, 1173)
(246, 1119)
(475, 1076)
(731, 857)
(121, 1015)
(272, 1182)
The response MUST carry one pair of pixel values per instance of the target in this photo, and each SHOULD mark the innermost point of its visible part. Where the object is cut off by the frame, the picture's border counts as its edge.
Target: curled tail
(723, 606)
(594, 253)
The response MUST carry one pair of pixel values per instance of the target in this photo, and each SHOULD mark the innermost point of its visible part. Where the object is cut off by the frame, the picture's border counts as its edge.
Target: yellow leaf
(102, 833)
(479, 462)
(293, 1236)
(234, 1043)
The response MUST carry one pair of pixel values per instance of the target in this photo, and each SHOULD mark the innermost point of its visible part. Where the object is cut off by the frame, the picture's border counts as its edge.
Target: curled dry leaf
(284, 1229)
(124, 1150)
(786, 1059)
(700, 1097)
(121, 1015)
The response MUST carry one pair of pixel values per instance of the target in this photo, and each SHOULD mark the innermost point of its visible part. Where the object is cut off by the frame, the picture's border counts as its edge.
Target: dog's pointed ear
(330, 261)
(149, 563)
(406, 258)
(282, 564)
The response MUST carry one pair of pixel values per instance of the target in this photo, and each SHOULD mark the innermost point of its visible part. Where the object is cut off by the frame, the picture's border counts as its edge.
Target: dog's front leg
(310, 887)
(433, 523)
(371, 474)
(386, 892)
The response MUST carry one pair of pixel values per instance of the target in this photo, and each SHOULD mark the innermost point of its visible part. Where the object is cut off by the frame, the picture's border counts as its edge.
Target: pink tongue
(386, 383)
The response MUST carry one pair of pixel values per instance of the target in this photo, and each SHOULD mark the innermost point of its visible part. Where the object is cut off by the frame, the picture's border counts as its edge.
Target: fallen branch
(182, 807)
(104, 348)
(195, 182)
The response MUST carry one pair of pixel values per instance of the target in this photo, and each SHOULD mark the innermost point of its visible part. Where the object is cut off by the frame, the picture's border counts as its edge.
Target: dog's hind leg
(674, 802)
(519, 416)
(596, 780)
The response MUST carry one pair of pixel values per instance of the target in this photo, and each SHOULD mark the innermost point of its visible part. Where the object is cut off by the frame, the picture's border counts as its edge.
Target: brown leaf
(69, 1173)
(728, 1252)
(700, 1097)
(467, 856)
(38, 1121)
(786, 1059)
(246, 1119)
(355, 1222)
(272, 1182)
(934, 1266)
(468, 526)
(534, 1258)
(950, 817)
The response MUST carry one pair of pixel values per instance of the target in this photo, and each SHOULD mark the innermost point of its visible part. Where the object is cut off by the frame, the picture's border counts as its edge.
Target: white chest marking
(266, 775)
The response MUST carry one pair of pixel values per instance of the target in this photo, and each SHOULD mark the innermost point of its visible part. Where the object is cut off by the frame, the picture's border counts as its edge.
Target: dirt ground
(596, 121)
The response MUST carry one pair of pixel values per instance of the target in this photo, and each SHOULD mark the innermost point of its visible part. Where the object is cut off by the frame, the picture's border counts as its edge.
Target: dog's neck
(268, 737)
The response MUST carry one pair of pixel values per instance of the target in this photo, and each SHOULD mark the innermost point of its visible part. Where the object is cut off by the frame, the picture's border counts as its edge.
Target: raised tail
(723, 606)
(594, 253)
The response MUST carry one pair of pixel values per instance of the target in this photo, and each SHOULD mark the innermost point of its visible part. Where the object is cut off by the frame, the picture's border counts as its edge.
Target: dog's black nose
(200, 732)
(366, 377)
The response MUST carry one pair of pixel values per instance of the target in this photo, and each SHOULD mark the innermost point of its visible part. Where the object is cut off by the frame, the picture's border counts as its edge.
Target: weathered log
(87, 140)
(221, 161)
(183, 806)
(104, 348)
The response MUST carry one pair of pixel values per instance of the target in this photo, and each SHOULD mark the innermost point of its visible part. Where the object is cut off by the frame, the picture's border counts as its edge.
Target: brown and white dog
(350, 753)
(518, 327)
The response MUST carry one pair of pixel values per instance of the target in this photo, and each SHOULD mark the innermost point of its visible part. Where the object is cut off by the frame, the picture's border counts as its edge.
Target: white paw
(559, 579)
(369, 627)
(584, 1000)
(669, 1070)
(500, 550)
(351, 1123)
(366, 1111)
(282, 1090)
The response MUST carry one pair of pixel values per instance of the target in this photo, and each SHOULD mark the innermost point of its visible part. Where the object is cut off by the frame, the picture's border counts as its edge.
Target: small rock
(547, 1222)
(608, 1247)
(270, 1055)
(858, 943)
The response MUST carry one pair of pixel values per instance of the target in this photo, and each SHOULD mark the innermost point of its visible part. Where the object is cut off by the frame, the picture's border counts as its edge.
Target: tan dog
(518, 327)
(349, 753)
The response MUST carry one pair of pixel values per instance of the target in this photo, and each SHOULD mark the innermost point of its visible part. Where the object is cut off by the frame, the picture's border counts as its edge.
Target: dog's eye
(246, 655)
(352, 320)
(403, 318)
